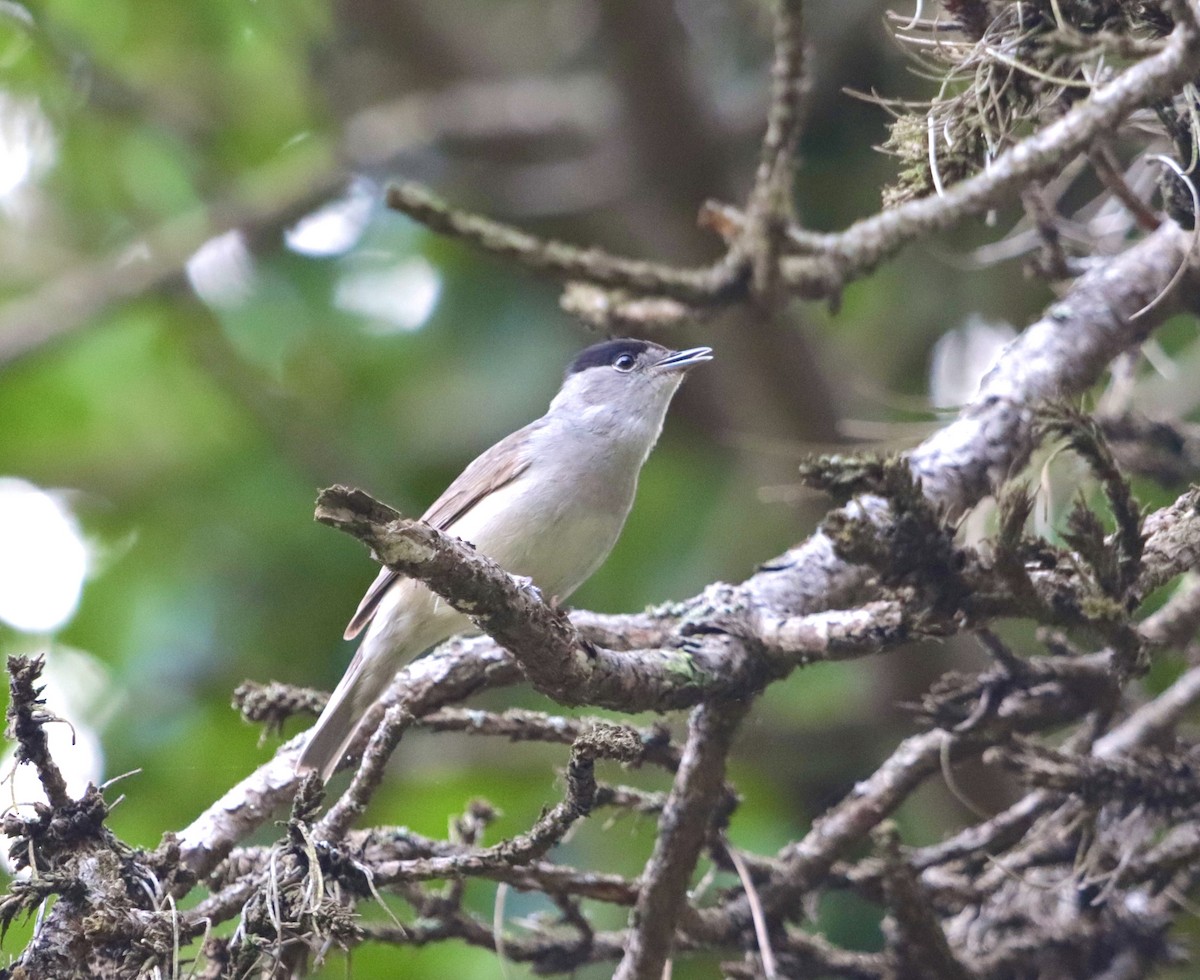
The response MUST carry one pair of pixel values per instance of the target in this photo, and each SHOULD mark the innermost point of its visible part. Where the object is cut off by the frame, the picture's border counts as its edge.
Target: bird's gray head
(624, 385)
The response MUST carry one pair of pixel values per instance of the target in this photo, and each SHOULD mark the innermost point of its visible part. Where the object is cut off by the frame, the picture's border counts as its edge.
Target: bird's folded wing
(370, 602)
(501, 464)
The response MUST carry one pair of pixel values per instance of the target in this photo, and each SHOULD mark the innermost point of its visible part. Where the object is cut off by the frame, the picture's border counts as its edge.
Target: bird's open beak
(681, 360)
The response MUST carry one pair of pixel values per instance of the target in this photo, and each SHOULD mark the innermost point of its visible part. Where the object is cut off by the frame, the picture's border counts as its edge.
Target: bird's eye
(625, 362)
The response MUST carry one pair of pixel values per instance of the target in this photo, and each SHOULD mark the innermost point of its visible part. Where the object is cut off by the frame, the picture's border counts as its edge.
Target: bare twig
(713, 284)
(769, 209)
(612, 743)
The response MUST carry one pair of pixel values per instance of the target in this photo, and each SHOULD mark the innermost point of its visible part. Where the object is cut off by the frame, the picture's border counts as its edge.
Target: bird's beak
(681, 360)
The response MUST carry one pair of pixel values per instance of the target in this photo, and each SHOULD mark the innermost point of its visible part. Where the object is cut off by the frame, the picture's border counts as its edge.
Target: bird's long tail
(363, 683)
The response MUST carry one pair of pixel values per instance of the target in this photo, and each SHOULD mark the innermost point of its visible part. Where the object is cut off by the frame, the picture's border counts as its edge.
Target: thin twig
(769, 209)
(353, 803)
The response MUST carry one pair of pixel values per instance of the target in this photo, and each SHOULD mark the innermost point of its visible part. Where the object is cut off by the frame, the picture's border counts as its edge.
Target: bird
(547, 503)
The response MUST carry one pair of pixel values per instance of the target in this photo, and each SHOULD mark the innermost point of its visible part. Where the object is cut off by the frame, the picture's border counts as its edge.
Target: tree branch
(717, 283)
(685, 826)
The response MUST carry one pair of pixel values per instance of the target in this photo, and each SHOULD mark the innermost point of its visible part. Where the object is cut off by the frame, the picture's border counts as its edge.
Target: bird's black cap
(599, 355)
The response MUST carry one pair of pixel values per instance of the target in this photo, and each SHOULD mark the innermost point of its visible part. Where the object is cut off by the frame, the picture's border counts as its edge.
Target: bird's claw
(526, 583)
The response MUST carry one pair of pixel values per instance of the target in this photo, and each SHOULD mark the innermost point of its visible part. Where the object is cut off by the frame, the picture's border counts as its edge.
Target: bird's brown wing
(488, 472)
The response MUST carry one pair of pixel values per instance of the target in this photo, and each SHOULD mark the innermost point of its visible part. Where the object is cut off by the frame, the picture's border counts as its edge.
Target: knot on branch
(617, 742)
(273, 703)
(607, 741)
(347, 508)
(166, 864)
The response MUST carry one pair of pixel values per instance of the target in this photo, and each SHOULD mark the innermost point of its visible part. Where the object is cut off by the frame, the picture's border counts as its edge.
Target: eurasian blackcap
(548, 502)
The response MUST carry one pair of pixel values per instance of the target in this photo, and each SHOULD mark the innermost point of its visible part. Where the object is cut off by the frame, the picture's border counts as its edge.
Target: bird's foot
(526, 583)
